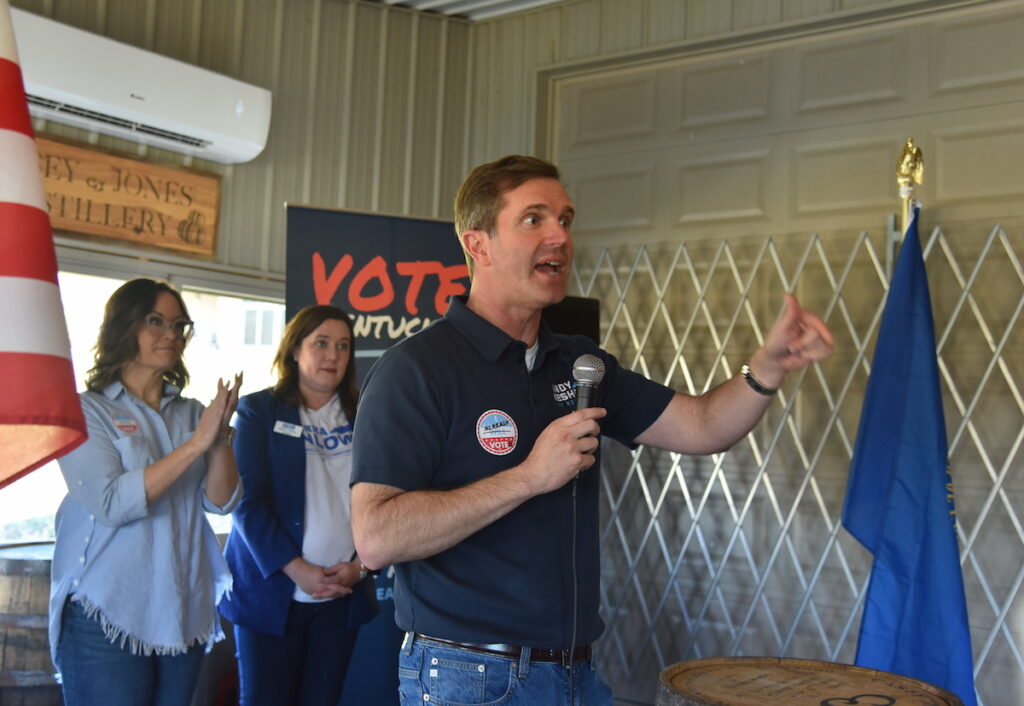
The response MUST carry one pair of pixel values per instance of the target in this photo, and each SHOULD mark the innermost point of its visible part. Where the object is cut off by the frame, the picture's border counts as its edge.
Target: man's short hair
(480, 197)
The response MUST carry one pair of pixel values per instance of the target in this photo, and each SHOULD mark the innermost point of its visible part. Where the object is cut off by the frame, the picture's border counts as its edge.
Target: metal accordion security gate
(742, 553)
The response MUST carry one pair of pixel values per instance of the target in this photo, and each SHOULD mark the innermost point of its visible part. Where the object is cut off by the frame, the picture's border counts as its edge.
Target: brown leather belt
(563, 657)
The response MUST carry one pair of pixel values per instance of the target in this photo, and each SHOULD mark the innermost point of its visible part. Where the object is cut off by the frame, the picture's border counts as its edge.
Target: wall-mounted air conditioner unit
(82, 79)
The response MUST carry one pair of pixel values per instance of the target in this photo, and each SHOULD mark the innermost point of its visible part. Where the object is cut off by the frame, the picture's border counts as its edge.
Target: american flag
(40, 415)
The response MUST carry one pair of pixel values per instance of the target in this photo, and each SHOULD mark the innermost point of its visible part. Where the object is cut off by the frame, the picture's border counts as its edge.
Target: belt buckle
(566, 657)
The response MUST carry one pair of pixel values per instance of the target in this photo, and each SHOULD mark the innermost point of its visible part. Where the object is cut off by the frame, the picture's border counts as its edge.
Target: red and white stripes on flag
(40, 415)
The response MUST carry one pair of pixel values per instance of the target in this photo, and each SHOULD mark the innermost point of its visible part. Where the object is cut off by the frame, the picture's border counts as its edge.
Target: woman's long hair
(302, 324)
(118, 341)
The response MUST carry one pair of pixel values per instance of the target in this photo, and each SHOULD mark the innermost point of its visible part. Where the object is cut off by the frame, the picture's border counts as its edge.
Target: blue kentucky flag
(899, 499)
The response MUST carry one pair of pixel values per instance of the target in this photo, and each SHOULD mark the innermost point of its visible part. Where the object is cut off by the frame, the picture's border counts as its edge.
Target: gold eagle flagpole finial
(909, 172)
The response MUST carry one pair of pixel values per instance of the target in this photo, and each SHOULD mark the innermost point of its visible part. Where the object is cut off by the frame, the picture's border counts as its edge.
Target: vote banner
(392, 274)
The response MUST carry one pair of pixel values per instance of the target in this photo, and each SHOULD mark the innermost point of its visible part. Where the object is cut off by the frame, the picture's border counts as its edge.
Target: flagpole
(893, 236)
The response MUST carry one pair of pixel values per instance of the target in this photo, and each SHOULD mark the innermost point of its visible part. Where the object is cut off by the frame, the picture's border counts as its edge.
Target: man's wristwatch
(363, 571)
(755, 384)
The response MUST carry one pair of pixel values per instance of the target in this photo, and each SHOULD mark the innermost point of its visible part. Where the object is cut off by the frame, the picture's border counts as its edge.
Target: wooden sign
(95, 193)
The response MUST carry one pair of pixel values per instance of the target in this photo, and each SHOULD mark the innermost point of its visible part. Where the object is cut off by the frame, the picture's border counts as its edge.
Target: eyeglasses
(158, 326)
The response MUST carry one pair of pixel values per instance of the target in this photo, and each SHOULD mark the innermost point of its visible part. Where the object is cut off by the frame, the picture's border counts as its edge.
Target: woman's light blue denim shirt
(152, 573)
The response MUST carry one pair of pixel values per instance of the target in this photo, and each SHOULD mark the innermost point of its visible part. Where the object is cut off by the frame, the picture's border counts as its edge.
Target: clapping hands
(214, 423)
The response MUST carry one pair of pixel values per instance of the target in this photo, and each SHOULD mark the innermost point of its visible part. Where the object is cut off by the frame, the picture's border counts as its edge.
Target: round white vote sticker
(496, 432)
(124, 422)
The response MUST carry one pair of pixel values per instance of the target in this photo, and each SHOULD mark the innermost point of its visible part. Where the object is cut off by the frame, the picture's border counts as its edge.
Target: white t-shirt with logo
(327, 539)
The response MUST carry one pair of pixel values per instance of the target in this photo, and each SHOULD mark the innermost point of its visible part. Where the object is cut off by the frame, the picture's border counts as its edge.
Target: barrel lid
(26, 558)
(773, 681)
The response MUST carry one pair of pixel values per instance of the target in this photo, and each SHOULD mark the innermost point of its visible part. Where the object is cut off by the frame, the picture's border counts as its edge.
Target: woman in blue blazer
(300, 592)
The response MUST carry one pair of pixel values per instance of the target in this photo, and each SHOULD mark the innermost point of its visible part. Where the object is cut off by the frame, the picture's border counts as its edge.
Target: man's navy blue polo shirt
(455, 403)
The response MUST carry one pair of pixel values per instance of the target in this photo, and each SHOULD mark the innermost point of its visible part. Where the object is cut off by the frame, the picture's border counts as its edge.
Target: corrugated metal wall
(369, 106)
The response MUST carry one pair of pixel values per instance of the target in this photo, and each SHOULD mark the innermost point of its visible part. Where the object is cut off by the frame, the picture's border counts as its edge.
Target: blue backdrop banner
(393, 274)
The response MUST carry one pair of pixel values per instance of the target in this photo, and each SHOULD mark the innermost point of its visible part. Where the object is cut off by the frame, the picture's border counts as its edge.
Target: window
(250, 327)
(263, 324)
(267, 330)
(218, 349)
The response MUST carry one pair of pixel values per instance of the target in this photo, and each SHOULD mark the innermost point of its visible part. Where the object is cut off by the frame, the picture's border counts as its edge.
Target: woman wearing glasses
(300, 592)
(137, 570)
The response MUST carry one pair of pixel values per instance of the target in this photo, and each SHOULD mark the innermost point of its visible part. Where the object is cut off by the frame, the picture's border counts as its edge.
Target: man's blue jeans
(97, 672)
(458, 677)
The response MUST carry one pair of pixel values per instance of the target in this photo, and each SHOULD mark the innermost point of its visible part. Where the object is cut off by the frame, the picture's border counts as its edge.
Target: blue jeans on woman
(306, 666)
(98, 672)
(452, 676)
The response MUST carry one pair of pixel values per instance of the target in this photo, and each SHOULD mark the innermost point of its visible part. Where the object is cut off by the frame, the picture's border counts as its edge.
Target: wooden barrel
(770, 681)
(26, 672)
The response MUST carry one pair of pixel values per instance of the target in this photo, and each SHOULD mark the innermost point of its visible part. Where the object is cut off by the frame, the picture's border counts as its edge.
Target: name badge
(287, 429)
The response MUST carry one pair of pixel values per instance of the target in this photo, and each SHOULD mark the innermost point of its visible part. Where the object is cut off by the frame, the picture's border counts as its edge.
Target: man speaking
(475, 474)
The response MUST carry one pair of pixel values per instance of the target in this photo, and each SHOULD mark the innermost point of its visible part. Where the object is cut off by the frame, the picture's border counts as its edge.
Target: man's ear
(476, 244)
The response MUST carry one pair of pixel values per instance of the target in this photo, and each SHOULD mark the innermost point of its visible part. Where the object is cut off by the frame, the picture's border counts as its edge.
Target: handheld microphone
(587, 371)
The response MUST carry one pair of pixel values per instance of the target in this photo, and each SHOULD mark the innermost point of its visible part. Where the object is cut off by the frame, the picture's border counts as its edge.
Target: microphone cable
(575, 590)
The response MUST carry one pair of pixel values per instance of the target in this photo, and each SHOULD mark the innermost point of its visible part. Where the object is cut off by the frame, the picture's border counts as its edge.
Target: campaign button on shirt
(497, 432)
(124, 422)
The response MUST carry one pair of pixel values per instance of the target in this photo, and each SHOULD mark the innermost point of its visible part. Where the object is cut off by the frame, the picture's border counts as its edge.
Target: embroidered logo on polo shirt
(124, 422)
(496, 432)
(564, 393)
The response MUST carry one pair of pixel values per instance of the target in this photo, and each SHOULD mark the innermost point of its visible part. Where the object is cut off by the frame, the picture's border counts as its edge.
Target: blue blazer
(268, 522)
